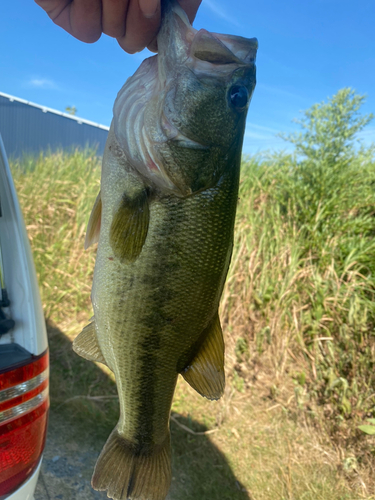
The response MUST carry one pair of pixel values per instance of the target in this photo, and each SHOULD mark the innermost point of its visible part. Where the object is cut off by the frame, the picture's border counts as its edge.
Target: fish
(164, 223)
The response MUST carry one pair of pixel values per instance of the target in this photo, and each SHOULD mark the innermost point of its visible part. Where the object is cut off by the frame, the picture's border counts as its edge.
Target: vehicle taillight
(24, 406)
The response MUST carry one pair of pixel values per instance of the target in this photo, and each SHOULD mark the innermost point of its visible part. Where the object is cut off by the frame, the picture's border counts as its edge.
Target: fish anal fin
(86, 344)
(127, 473)
(205, 373)
(129, 227)
(93, 226)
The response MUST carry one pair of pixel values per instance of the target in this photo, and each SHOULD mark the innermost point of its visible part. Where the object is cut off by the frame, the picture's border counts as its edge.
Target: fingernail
(149, 7)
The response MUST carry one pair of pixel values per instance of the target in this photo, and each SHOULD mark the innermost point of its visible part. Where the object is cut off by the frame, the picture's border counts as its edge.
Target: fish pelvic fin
(130, 226)
(93, 226)
(128, 473)
(205, 373)
(86, 344)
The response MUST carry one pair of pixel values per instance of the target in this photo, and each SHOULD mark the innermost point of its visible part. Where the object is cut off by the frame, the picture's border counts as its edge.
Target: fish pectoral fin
(86, 344)
(127, 473)
(129, 226)
(93, 226)
(205, 373)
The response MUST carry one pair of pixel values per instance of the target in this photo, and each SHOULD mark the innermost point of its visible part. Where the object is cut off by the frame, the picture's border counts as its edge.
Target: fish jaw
(203, 52)
(155, 129)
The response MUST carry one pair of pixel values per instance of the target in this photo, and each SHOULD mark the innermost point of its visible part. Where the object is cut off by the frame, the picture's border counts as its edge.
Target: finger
(148, 7)
(80, 18)
(139, 29)
(114, 17)
(190, 7)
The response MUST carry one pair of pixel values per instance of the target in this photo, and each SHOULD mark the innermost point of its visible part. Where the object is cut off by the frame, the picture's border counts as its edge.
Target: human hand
(134, 23)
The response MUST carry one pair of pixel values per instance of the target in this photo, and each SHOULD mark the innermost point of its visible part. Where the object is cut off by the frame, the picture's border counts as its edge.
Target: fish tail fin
(129, 474)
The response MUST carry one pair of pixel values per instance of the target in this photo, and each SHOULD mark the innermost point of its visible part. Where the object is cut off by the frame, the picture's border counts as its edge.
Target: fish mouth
(238, 49)
(202, 50)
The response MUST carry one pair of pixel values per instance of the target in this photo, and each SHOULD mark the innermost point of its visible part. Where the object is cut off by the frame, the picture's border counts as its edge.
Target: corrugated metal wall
(27, 128)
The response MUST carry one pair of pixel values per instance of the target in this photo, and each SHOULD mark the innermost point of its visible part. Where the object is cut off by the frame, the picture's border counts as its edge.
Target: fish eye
(238, 96)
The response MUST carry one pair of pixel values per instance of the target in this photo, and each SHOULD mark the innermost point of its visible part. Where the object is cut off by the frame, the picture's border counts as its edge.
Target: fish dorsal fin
(205, 373)
(86, 344)
(129, 226)
(93, 227)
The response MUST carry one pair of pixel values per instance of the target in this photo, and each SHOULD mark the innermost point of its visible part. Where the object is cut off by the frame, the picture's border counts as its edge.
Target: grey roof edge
(45, 109)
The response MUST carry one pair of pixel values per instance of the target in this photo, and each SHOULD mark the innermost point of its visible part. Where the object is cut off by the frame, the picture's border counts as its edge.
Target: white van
(24, 362)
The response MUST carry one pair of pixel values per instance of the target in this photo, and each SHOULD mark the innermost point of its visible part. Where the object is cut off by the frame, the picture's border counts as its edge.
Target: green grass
(302, 282)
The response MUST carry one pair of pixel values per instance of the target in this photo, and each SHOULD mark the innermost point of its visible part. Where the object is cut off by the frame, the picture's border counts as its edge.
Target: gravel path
(66, 472)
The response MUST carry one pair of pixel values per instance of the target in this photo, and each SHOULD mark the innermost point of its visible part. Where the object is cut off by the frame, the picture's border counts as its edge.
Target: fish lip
(237, 50)
(244, 49)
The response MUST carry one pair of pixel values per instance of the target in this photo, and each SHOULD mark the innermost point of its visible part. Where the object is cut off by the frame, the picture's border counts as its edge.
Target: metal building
(29, 128)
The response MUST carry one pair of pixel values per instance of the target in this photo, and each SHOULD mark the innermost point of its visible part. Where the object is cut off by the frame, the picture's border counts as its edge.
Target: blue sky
(308, 50)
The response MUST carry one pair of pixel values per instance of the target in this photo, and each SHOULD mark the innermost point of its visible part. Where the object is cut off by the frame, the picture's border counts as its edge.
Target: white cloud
(368, 133)
(260, 138)
(262, 133)
(262, 128)
(255, 135)
(220, 12)
(255, 143)
(42, 83)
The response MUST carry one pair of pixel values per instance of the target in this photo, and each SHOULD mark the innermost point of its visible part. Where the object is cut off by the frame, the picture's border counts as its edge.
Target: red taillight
(23, 421)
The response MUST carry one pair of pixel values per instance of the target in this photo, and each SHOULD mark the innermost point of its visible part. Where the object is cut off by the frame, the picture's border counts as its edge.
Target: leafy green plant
(325, 190)
(242, 349)
(330, 130)
(368, 428)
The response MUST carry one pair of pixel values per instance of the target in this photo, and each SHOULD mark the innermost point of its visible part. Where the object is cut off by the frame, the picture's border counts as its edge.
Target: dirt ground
(66, 473)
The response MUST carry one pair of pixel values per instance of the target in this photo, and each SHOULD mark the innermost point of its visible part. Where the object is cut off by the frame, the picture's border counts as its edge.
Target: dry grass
(57, 193)
(273, 456)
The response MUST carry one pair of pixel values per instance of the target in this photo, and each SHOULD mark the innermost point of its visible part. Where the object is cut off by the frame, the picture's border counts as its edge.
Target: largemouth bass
(164, 219)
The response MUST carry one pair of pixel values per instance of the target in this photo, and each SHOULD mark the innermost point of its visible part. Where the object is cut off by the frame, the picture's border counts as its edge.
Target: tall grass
(302, 281)
(57, 192)
(306, 297)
